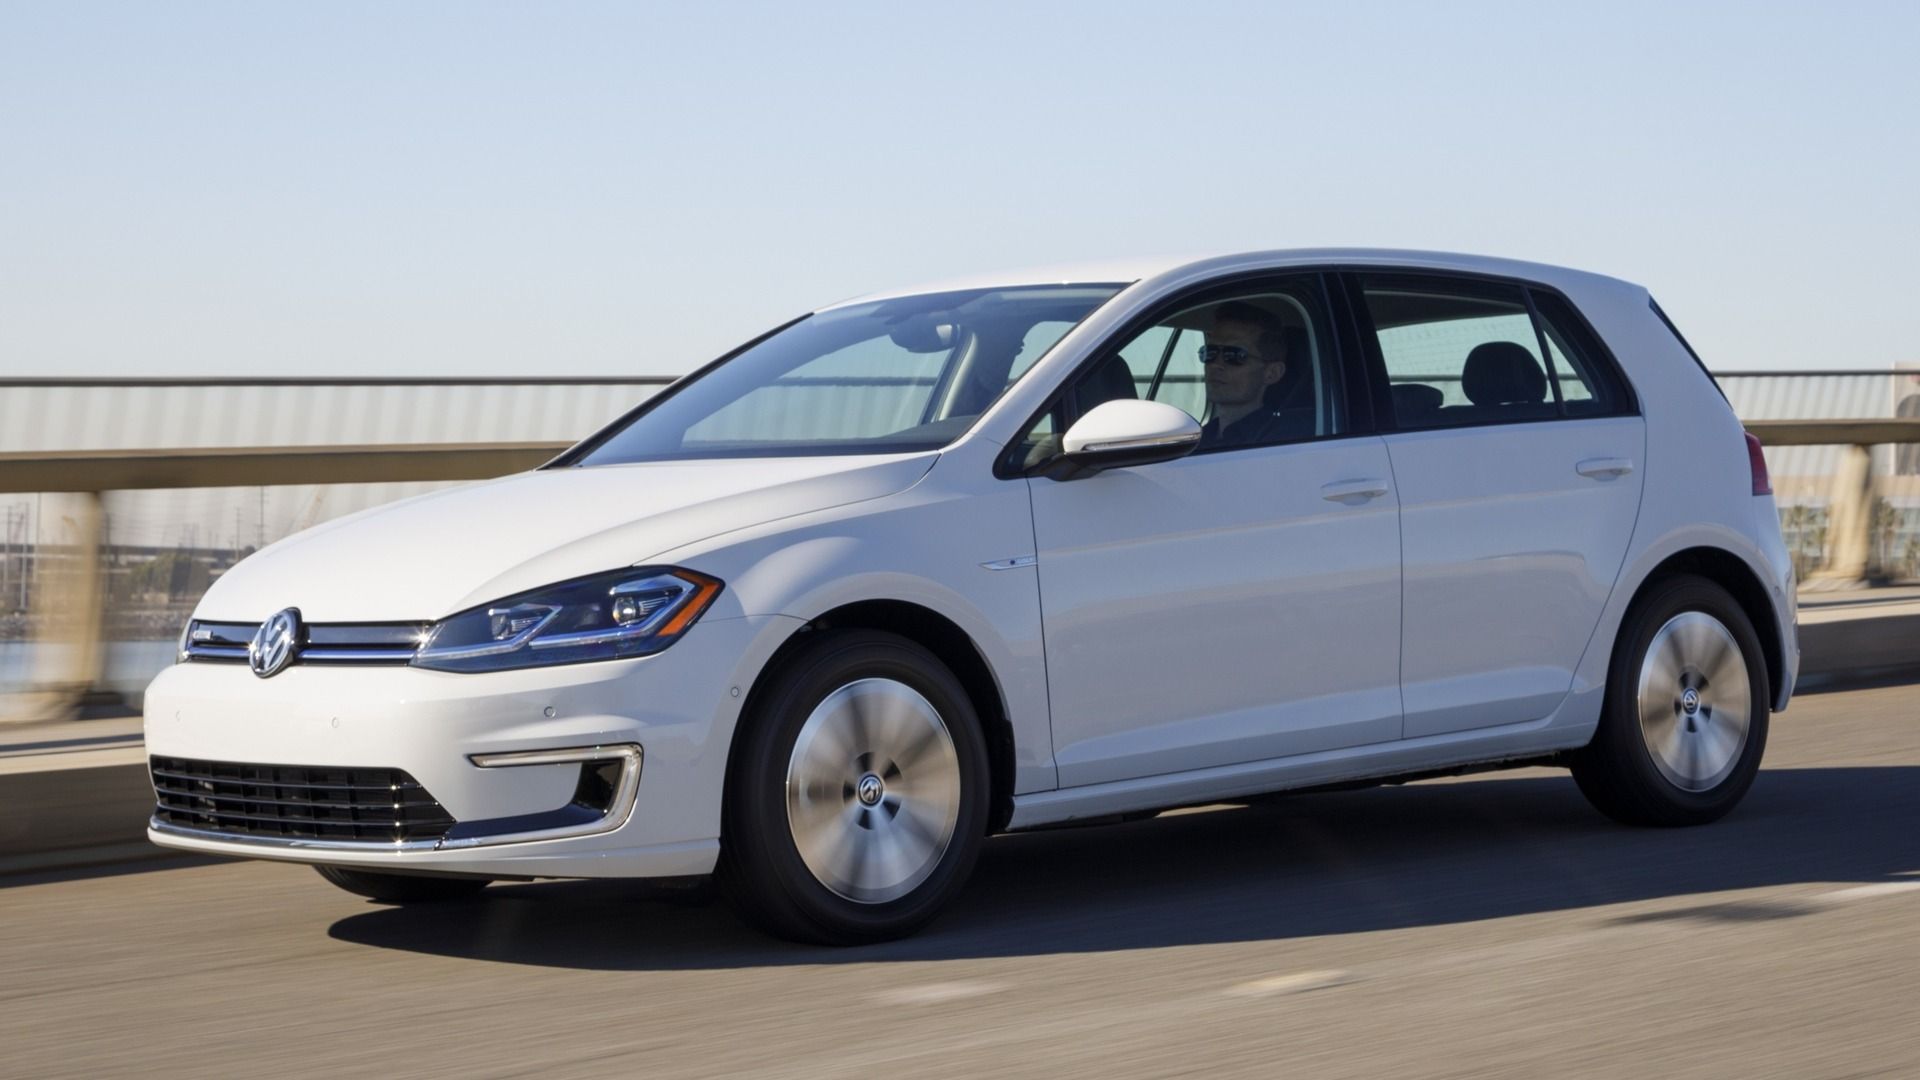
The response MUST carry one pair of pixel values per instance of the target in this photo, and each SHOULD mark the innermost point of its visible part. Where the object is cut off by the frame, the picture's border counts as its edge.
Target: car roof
(1130, 270)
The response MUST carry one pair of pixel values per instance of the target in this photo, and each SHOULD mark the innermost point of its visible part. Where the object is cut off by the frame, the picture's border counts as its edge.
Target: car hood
(446, 551)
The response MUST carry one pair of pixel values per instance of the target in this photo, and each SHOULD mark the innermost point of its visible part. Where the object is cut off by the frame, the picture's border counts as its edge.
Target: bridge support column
(66, 611)
(1849, 523)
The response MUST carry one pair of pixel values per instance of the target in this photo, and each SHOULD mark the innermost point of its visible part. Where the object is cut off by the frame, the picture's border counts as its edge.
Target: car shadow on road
(1309, 866)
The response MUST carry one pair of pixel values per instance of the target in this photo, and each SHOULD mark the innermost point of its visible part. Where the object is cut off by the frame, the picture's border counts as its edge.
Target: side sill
(1513, 742)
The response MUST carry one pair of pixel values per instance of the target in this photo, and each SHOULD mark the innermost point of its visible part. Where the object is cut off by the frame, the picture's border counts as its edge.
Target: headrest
(1413, 401)
(1295, 388)
(1503, 373)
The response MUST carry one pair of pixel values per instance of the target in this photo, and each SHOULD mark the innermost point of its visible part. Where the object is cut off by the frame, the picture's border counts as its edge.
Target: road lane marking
(1869, 892)
(84, 759)
(1207, 809)
(937, 993)
(1297, 983)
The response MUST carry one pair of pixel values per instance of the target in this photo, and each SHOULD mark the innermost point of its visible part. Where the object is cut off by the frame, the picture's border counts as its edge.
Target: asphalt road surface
(1491, 926)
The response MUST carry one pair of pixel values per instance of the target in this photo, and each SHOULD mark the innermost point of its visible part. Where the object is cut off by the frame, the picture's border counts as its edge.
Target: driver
(1245, 353)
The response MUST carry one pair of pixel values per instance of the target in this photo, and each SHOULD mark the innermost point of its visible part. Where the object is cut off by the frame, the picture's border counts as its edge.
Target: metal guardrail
(1834, 432)
(166, 382)
(265, 466)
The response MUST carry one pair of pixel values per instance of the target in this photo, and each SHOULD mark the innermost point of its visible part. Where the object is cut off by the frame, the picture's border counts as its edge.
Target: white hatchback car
(926, 566)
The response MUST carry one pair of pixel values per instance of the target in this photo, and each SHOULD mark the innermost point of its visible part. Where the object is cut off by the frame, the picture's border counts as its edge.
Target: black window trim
(1361, 412)
(1587, 338)
(1546, 354)
(1584, 337)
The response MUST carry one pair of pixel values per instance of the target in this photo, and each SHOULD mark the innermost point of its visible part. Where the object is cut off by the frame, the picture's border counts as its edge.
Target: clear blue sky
(200, 188)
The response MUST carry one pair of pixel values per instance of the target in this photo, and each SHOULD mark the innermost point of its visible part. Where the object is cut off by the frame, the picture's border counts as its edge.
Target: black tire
(402, 888)
(1618, 771)
(762, 871)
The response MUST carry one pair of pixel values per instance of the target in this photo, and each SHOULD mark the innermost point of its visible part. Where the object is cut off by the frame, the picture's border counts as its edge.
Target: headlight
(604, 617)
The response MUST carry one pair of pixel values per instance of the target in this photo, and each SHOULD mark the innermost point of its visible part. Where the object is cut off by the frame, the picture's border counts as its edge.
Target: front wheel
(1687, 704)
(857, 801)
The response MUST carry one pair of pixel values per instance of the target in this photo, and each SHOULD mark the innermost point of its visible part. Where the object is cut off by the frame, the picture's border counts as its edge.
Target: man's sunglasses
(1230, 355)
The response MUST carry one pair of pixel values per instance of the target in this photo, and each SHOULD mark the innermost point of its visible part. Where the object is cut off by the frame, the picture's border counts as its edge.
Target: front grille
(296, 801)
(316, 643)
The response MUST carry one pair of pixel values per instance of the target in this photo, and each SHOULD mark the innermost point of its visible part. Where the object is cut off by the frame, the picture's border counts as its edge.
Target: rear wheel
(1687, 704)
(857, 800)
(402, 888)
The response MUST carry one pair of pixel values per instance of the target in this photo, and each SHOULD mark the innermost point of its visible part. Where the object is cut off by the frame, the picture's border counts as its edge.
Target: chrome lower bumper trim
(282, 843)
(619, 809)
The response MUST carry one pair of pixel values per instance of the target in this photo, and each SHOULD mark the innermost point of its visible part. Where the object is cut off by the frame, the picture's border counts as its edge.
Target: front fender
(928, 546)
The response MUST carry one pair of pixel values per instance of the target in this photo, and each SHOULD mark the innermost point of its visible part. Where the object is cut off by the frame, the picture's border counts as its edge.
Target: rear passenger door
(1517, 449)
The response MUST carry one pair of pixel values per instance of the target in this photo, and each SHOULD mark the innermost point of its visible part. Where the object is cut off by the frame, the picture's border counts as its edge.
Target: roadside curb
(68, 817)
(1867, 645)
(82, 858)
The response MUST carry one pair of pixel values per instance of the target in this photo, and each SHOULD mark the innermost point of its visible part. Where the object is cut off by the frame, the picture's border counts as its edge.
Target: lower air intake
(296, 802)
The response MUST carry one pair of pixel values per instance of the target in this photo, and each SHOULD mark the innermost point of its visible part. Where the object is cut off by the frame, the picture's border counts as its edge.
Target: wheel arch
(1732, 573)
(939, 635)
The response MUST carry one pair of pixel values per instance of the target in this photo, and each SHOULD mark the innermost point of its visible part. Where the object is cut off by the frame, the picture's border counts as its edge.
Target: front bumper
(466, 739)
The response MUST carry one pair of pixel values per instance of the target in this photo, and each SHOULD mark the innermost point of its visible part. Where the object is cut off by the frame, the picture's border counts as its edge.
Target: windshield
(892, 376)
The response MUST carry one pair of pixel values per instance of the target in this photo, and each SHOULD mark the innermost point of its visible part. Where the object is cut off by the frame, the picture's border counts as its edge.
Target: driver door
(1238, 604)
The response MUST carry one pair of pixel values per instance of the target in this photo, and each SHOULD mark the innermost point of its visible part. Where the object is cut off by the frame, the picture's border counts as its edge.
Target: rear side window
(1459, 352)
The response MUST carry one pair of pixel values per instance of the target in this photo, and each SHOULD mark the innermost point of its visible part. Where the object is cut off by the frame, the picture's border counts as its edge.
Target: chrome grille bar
(210, 777)
(324, 643)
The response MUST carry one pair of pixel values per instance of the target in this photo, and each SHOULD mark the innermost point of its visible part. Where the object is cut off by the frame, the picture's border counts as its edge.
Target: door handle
(1604, 468)
(1353, 492)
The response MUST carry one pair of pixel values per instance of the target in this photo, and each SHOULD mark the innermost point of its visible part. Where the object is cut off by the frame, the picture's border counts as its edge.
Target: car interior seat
(1295, 388)
(1416, 404)
(1503, 377)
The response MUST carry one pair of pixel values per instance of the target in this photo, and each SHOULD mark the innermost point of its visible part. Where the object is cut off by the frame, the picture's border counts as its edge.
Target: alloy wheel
(873, 790)
(1695, 701)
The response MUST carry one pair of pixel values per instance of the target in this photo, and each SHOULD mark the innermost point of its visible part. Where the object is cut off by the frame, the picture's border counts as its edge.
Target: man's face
(1233, 385)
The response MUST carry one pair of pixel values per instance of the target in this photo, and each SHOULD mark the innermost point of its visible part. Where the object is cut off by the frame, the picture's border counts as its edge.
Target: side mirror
(1116, 434)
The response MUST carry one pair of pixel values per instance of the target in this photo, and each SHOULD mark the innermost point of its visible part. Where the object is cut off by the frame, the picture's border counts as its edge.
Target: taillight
(1757, 462)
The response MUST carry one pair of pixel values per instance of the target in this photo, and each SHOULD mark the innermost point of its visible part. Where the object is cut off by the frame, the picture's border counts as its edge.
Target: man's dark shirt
(1259, 428)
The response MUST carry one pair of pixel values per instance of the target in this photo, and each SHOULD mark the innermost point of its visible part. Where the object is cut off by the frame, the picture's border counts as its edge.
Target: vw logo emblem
(870, 789)
(1690, 701)
(272, 646)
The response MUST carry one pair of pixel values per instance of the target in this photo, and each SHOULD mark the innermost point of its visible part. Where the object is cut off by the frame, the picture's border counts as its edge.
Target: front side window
(1255, 368)
(1460, 352)
(892, 376)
